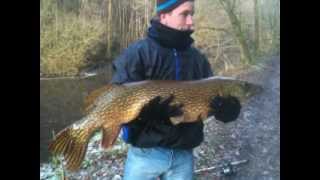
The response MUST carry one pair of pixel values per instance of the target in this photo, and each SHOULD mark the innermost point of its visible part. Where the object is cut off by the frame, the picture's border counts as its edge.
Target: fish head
(244, 90)
(250, 90)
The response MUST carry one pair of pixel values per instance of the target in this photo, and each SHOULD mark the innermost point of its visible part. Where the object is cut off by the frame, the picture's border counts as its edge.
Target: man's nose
(190, 21)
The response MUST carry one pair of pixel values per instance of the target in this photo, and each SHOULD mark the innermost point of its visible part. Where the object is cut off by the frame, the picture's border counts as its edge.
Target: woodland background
(81, 34)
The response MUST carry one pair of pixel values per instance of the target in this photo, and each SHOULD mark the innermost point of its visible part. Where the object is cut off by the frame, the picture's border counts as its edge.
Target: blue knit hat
(164, 6)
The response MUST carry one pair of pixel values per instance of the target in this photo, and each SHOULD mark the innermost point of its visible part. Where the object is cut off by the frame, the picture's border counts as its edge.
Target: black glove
(155, 117)
(225, 109)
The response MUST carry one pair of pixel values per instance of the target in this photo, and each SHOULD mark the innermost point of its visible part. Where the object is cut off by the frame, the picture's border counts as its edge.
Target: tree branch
(212, 28)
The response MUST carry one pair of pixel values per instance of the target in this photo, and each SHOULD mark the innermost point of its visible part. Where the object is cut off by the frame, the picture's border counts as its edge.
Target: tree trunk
(256, 28)
(109, 30)
(146, 17)
(236, 26)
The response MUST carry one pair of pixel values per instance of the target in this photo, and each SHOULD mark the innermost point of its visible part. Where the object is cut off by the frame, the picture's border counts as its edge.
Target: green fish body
(113, 105)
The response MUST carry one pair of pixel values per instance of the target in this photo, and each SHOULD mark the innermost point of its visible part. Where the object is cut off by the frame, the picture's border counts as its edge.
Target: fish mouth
(254, 89)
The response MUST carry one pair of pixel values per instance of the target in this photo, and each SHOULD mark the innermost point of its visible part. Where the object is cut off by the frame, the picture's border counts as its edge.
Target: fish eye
(246, 86)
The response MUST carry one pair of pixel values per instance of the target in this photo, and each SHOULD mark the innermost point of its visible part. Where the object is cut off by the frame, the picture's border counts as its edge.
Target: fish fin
(109, 136)
(90, 99)
(72, 144)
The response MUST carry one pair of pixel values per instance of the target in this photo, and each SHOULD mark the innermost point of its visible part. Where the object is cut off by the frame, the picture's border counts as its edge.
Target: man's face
(180, 18)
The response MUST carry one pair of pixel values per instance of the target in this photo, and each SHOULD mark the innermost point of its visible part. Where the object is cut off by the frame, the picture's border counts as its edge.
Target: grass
(64, 47)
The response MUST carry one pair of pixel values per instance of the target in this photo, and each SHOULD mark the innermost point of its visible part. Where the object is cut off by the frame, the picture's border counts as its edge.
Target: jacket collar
(169, 37)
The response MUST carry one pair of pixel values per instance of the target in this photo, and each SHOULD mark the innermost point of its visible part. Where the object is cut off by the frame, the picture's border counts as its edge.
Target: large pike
(112, 105)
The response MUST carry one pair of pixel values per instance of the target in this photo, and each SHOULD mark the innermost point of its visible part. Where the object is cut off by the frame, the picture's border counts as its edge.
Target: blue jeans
(151, 163)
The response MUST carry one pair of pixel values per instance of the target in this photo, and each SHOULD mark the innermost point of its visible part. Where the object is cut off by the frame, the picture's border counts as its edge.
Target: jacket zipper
(177, 61)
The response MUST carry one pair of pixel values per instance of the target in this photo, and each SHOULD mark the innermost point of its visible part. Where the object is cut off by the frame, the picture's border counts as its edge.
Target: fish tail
(72, 144)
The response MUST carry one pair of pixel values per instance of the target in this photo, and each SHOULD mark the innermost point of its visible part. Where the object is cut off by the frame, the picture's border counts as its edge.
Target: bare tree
(229, 7)
(109, 30)
(256, 27)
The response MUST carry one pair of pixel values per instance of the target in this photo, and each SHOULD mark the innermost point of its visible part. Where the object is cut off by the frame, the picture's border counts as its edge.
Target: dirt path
(255, 136)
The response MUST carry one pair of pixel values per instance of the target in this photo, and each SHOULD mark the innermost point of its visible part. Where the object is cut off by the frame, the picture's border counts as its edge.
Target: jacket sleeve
(206, 67)
(128, 67)
(208, 72)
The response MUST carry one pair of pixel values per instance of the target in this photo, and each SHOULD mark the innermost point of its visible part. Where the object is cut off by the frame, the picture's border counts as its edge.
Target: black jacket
(146, 59)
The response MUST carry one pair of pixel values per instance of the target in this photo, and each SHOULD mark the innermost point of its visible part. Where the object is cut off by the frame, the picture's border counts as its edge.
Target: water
(61, 104)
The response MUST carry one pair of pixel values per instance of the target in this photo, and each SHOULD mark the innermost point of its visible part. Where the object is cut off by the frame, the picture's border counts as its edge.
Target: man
(162, 150)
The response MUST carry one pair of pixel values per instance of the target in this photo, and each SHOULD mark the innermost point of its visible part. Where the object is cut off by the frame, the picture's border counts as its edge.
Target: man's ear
(163, 18)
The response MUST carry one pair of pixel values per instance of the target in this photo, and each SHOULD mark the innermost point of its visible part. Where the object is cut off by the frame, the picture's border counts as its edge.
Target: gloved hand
(154, 116)
(225, 109)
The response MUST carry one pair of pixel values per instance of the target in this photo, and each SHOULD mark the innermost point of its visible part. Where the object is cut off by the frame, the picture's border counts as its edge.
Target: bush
(65, 40)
